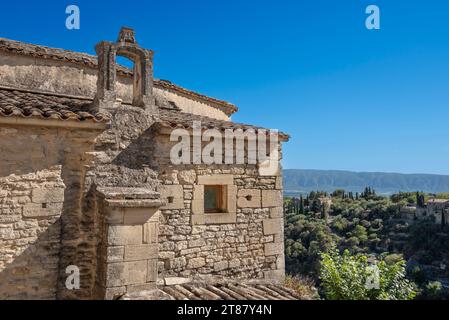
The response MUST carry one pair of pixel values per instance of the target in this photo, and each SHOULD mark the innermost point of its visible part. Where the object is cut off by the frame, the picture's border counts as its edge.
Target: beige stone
(44, 195)
(141, 287)
(115, 216)
(150, 232)
(33, 210)
(115, 254)
(126, 273)
(277, 212)
(198, 192)
(277, 276)
(231, 194)
(138, 216)
(152, 270)
(271, 198)
(173, 281)
(125, 235)
(223, 179)
(279, 183)
(273, 226)
(196, 263)
(272, 249)
(198, 206)
(173, 196)
(249, 198)
(114, 293)
(220, 266)
(140, 252)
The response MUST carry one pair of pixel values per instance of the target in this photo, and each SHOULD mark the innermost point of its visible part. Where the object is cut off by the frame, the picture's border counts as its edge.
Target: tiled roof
(176, 119)
(17, 47)
(27, 104)
(15, 103)
(230, 291)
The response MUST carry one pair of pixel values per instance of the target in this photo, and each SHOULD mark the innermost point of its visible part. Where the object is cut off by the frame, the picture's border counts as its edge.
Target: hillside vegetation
(367, 226)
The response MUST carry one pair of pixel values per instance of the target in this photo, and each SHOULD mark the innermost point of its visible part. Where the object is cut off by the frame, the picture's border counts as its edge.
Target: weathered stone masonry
(86, 180)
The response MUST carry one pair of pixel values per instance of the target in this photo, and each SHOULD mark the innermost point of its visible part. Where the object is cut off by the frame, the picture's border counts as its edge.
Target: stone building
(87, 182)
(438, 209)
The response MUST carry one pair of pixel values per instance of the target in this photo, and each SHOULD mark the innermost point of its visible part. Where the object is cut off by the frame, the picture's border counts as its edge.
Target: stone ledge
(116, 193)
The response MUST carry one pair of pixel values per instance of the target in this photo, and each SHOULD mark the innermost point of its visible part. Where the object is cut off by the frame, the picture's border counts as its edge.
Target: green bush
(348, 277)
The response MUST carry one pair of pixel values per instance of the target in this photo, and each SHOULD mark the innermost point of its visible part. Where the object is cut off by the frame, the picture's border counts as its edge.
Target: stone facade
(438, 209)
(245, 242)
(86, 180)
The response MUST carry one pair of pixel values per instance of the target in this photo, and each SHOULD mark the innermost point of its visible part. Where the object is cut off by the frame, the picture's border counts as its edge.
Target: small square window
(214, 199)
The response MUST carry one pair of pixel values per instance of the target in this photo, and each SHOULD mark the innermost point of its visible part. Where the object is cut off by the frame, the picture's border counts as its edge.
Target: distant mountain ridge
(301, 181)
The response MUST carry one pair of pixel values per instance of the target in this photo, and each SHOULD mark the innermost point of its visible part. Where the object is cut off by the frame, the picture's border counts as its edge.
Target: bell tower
(126, 46)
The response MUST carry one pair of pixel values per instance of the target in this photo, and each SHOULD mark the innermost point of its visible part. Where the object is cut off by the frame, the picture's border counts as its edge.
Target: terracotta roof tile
(15, 103)
(230, 290)
(176, 119)
(19, 103)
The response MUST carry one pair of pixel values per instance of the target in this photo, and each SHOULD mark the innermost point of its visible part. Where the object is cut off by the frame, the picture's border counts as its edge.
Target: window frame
(220, 199)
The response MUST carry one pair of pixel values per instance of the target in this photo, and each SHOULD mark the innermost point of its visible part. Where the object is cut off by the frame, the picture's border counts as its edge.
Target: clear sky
(351, 98)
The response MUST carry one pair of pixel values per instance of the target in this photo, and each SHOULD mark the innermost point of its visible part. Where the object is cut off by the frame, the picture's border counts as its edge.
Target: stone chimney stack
(126, 46)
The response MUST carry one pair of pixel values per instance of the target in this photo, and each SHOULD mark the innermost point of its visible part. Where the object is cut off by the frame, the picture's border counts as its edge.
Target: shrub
(347, 277)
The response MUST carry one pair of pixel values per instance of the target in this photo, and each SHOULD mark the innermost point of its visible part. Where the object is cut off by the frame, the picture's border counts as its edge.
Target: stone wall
(245, 242)
(39, 197)
(30, 73)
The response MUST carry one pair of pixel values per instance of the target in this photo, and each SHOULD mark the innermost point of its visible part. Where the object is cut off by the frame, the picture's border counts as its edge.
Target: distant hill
(301, 181)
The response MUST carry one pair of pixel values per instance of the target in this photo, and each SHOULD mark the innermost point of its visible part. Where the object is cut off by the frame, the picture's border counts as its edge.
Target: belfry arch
(126, 46)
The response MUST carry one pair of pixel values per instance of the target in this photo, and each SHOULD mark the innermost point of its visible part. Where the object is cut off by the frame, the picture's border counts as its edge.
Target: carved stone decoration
(127, 47)
(127, 35)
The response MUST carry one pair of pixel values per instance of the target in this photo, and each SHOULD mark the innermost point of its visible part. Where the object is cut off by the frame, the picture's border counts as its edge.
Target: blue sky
(351, 98)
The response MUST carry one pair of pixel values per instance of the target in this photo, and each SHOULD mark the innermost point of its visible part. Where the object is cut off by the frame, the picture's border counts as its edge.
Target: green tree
(348, 277)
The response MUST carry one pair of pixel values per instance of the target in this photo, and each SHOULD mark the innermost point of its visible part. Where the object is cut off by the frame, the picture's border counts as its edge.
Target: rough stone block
(272, 249)
(231, 194)
(221, 179)
(114, 293)
(115, 254)
(197, 219)
(134, 216)
(115, 216)
(173, 195)
(33, 210)
(152, 270)
(249, 198)
(220, 218)
(126, 273)
(197, 243)
(279, 183)
(124, 235)
(220, 266)
(271, 198)
(198, 206)
(196, 263)
(273, 226)
(234, 263)
(275, 275)
(141, 287)
(141, 252)
(277, 212)
(150, 233)
(198, 192)
(173, 281)
(44, 195)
